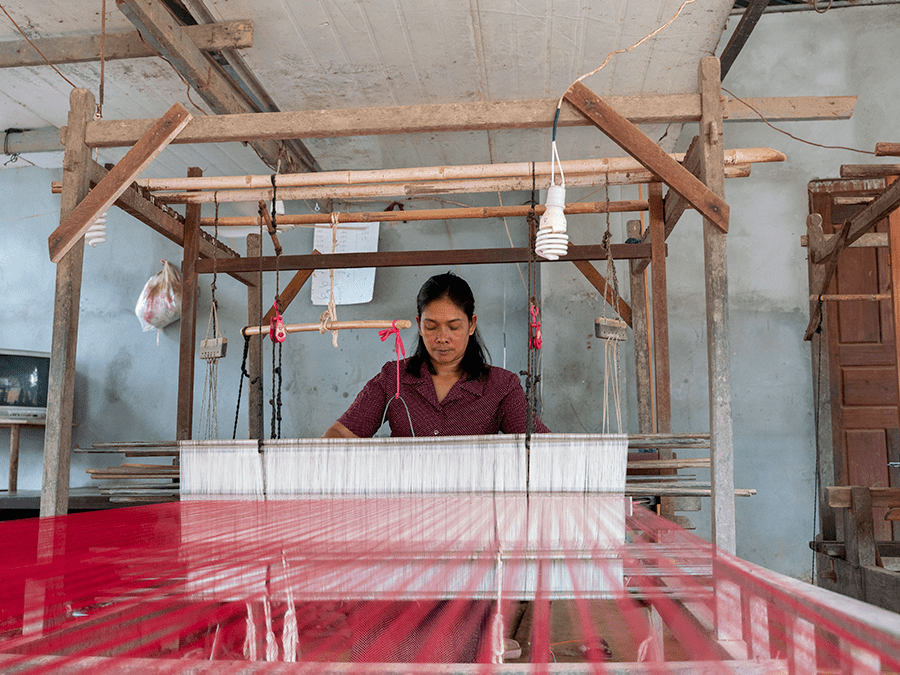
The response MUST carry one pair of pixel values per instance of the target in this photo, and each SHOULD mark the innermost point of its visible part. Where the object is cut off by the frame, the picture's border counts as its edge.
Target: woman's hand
(338, 430)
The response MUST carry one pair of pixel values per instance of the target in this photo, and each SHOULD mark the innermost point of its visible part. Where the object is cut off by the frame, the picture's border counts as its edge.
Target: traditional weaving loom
(476, 553)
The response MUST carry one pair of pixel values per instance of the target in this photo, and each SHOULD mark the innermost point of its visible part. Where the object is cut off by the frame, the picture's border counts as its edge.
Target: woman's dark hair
(476, 360)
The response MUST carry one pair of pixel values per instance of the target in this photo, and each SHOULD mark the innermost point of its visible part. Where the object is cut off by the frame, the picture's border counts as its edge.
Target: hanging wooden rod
(329, 326)
(507, 170)
(460, 213)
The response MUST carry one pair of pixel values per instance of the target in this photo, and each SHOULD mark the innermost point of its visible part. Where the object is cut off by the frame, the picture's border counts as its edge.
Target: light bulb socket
(556, 196)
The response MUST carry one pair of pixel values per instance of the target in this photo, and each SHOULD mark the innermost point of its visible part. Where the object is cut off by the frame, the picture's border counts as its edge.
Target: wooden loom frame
(705, 159)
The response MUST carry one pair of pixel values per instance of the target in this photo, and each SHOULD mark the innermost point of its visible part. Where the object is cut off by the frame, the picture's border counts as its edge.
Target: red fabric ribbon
(398, 346)
(535, 339)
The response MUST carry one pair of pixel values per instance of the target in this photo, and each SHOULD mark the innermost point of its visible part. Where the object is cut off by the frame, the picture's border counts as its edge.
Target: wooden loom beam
(184, 422)
(474, 116)
(648, 153)
(642, 351)
(254, 346)
(61, 388)
(416, 258)
(104, 195)
(715, 259)
(210, 37)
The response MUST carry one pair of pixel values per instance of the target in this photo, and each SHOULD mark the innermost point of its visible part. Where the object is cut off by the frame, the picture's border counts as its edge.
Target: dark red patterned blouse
(495, 403)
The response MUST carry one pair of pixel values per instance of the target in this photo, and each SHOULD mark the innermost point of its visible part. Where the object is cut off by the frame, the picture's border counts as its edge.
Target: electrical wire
(36, 48)
(818, 145)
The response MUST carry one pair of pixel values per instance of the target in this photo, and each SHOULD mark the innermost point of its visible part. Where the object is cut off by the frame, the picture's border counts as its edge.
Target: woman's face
(445, 330)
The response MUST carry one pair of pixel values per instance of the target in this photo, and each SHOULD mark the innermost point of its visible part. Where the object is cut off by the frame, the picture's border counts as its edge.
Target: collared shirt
(494, 403)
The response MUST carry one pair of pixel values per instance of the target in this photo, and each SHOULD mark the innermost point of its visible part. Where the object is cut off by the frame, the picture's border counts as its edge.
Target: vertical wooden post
(715, 260)
(641, 331)
(660, 301)
(61, 394)
(660, 310)
(13, 484)
(185, 414)
(821, 384)
(254, 360)
(894, 238)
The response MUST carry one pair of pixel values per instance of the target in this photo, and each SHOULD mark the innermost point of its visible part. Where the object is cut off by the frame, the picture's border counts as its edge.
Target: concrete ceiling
(319, 54)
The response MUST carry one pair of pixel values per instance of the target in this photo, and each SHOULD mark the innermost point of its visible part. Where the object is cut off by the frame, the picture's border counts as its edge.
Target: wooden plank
(868, 217)
(418, 258)
(254, 347)
(61, 387)
(209, 79)
(869, 170)
(859, 528)
(648, 153)
(887, 149)
(715, 265)
(289, 293)
(839, 496)
(119, 45)
(605, 289)
(741, 34)
(837, 549)
(687, 463)
(141, 204)
(103, 196)
(480, 115)
(641, 329)
(184, 421)
(868, 240)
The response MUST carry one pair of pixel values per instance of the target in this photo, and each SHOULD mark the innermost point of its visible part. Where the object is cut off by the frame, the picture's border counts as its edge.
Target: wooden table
(14, 426)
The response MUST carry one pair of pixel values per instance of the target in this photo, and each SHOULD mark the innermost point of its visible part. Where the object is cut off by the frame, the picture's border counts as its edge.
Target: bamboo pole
(328, 326)
(614, 165)
(323, 218)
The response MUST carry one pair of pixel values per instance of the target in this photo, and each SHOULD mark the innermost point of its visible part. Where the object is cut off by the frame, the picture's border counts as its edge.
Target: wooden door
(861, 354)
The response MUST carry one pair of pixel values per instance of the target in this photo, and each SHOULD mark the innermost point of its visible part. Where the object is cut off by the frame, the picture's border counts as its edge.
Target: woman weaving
(447, 388)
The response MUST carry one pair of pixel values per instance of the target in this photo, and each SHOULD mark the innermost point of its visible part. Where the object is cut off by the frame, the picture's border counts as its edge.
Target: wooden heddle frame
(696, 181)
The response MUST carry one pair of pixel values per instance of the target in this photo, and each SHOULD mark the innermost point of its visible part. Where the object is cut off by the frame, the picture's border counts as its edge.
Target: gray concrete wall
(126, 382)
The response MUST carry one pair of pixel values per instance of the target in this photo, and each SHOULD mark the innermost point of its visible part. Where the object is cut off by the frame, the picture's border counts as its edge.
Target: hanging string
(277, 336)
(209, 414)
(611, 346)
(329, 316)
(531, 373)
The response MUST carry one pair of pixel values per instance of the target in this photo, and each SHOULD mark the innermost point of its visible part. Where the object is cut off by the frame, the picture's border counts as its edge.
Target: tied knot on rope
(534, 340)
(277, 332)
(385, 333)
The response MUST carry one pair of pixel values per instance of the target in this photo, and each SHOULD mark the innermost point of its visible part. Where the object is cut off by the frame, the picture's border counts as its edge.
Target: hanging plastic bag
(160, 301)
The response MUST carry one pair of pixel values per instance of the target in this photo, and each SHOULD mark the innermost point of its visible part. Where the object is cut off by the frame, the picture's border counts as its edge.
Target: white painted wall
(126, 382)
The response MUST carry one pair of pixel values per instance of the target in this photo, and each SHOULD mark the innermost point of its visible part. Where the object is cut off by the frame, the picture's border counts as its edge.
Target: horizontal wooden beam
(838, 496)
(482, 256)
(868, 240)
(647, 152)
(887, 149)
(457, 213)
(869, 170)
(529, 114)
(117, 181)
(209, 37)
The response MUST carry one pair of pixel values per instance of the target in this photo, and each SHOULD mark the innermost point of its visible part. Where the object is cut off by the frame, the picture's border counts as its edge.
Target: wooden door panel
(870, 451)
(862, 359)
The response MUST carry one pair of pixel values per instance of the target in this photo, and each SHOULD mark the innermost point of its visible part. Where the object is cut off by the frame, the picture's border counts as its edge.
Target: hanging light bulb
(96, 233)
(551, 241)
